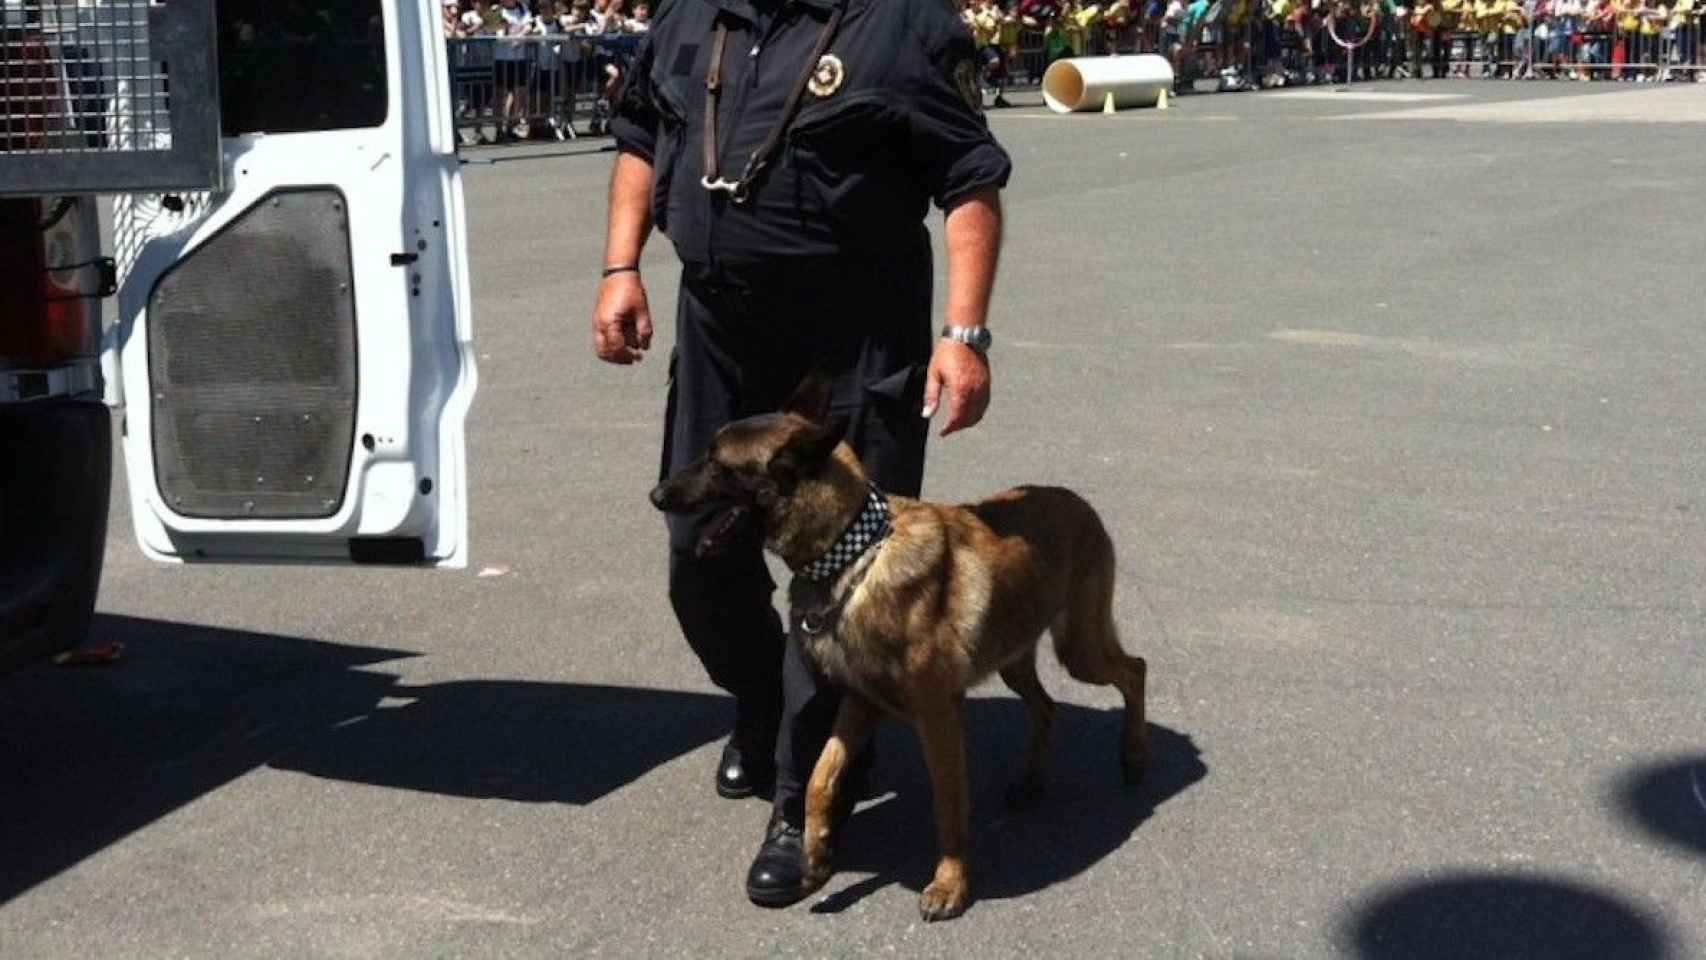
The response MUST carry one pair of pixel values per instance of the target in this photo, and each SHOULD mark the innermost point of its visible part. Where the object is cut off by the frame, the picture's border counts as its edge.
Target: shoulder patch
(965, 78)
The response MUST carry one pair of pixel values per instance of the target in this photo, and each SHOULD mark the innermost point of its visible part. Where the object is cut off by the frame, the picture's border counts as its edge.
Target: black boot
(742, 772)
(748, 763)
(777, 875)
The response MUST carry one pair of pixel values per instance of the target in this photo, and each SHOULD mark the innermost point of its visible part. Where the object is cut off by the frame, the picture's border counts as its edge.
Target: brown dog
(907, 622)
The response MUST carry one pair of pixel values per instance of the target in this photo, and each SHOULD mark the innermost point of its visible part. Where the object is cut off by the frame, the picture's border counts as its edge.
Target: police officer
(790, 150)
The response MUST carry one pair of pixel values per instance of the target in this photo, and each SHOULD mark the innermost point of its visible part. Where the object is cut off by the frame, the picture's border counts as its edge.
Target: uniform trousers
(746, 336)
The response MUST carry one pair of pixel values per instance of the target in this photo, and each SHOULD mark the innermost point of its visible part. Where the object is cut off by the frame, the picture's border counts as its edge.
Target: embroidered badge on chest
(827, 77)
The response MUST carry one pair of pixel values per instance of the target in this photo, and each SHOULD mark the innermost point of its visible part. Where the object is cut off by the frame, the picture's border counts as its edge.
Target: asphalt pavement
(1393, 408)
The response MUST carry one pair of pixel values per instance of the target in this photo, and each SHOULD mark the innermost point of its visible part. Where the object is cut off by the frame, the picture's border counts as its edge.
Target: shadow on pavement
(92, 755)
(515, 740)
(1089, 811)
(1668, 800)
(1497, 917)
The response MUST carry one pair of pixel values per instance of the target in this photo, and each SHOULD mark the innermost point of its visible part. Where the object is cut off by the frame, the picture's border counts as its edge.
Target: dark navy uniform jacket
(860, 164)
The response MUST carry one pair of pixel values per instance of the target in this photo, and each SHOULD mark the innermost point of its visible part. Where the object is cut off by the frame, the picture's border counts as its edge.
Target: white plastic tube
(1083, 83)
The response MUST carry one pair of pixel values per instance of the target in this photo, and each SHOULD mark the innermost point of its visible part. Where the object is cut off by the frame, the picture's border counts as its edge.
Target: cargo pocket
(889, 434)
(903, 388)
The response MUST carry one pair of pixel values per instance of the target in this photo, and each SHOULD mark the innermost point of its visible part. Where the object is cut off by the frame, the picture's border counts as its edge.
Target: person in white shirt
(577, 18)
(514, 61)
(606, 16)
(608, 20)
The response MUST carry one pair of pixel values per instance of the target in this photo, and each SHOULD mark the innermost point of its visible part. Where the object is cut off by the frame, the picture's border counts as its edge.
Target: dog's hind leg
(1088, 644)
(1026, 793)
(854, 722)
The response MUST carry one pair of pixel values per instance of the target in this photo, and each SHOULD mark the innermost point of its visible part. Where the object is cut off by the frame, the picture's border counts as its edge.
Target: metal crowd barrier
(1543, 47)
(539, 86)
(1567, 47)
(551, 86)
(1026, 67)
(1218, 47)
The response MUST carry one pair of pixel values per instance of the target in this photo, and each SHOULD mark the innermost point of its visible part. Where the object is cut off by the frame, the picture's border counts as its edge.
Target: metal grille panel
(252, 357)
(107, 95)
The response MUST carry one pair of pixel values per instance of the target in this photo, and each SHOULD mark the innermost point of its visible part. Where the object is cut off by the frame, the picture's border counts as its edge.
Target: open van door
(295, 350)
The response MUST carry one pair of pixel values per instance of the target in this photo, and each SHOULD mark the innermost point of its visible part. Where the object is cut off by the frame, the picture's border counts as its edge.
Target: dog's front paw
(816, 873)
(817, 859)
(942, 901)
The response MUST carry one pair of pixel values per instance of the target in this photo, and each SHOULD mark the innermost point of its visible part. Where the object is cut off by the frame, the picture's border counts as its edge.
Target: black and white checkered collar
(866, 530)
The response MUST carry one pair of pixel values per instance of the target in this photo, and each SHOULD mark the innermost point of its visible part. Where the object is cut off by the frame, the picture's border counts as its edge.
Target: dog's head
(780, 471)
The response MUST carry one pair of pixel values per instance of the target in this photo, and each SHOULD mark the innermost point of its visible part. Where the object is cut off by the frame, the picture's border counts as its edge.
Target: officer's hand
(963, 375)
(622, 321)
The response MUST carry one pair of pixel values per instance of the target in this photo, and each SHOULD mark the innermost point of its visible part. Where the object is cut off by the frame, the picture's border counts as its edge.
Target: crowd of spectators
(1242, 44)
(518, 18)
(567, 32)
(1250, 43)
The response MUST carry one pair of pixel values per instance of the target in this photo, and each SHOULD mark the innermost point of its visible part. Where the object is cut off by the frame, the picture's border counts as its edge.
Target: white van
(291, 349)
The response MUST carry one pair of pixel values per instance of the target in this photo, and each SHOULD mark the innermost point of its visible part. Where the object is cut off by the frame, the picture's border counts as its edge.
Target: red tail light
(46, 317)
(29, 86)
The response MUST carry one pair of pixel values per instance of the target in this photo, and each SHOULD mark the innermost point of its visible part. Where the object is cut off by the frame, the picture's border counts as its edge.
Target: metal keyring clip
(736, 189)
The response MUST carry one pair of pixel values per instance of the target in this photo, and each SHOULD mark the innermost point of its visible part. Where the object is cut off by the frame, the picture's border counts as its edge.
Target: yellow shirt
(1653, 24)
(1072, 26)
(1626, 19)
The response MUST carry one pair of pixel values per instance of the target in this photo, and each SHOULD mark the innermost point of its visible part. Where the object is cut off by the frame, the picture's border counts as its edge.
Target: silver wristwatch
(978, 338)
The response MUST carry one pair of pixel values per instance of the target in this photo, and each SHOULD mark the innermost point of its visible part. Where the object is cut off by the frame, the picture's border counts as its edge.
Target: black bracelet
(623, 268)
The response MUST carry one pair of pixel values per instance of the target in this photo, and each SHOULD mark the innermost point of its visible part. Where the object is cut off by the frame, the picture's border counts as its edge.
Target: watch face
(981, 338)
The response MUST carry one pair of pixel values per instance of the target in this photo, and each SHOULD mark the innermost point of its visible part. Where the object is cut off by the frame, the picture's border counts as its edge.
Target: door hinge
(109, 275)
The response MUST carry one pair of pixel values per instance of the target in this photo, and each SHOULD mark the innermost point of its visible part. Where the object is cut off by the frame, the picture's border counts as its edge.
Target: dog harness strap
(868, 528)
(713, 179)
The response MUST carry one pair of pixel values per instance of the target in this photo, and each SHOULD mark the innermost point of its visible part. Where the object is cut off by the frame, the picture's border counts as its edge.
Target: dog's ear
(811, 397)
(805, 453)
